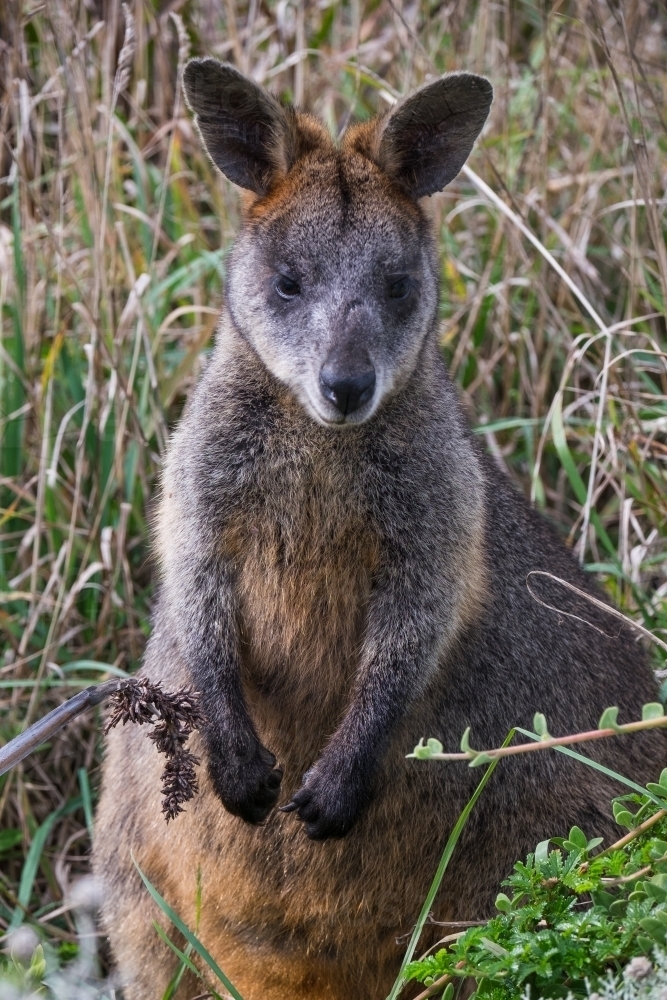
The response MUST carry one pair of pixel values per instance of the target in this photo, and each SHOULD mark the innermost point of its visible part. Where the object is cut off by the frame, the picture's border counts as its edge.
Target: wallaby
(343, 572)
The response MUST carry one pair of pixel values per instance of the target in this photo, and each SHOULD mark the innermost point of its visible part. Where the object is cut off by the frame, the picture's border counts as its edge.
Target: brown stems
(434, 987)
(634, 833)
(560, 741)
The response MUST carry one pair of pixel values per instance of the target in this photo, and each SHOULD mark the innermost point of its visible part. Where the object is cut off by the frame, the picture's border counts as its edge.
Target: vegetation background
(114, 229)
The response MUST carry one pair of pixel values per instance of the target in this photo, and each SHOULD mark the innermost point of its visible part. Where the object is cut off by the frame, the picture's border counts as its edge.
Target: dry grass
(113, 234)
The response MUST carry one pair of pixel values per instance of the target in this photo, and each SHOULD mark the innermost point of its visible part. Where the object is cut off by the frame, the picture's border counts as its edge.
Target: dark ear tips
(242, 127)
(204, 82)
(214, 86)
(466, 92)
(194, 75)
(428, 136)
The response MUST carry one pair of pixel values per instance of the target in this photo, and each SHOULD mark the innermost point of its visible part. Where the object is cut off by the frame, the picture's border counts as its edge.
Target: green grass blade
(507, 424)
(33, 858)
(188, 935)
(186, 963)
(576, 482)
(185, 960)
(452, 841)
(13, 390)
(178, 975)
(30, 867)
(19, 266)
(598, 767)
(175, 981)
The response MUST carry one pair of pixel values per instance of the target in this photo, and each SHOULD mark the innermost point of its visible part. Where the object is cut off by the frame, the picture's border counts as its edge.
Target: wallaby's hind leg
(129, 826)
(145, 964)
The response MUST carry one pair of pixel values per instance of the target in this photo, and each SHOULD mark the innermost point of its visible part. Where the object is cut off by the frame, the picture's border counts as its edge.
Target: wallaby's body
(337, 592)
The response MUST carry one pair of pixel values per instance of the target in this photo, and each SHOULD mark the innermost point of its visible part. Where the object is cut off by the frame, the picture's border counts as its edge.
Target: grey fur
(336, 587)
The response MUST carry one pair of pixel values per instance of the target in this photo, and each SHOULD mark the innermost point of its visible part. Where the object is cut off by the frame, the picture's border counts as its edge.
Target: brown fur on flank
(344, 572)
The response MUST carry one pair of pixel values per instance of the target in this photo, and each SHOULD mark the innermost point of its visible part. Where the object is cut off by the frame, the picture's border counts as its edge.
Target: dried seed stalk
(175, 716)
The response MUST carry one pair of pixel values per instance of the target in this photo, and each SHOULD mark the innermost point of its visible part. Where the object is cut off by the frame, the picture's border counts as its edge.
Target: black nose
(347, 392)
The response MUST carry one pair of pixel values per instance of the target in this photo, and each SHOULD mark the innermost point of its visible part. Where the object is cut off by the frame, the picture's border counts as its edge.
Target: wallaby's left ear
(428, 136)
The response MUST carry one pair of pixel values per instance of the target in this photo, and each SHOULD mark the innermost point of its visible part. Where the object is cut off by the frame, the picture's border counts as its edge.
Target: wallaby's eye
(286, 288)
(399, 288)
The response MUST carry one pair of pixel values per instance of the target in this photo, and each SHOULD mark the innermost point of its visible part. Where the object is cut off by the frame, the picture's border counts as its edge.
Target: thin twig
(24, 744)
(546, 744)
(434, 987)
(628, 878)
(646, 825)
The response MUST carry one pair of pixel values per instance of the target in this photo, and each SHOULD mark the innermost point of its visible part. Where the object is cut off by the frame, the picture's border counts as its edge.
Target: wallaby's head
(333, 279)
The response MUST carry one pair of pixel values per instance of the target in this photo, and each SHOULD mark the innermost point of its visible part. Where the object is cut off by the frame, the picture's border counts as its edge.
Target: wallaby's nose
(347, 390)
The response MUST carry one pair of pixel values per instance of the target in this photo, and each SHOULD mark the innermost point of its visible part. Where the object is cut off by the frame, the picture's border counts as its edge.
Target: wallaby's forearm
(242, 770)
(202, 599)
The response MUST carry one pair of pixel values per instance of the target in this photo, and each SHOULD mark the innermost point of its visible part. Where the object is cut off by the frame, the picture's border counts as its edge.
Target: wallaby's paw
(248, 786)
(327, 804)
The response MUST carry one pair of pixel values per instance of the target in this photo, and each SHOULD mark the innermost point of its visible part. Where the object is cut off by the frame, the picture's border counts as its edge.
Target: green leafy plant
(570, 916)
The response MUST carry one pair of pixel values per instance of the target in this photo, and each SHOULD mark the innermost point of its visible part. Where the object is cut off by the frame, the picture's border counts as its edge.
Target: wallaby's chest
(305, 550)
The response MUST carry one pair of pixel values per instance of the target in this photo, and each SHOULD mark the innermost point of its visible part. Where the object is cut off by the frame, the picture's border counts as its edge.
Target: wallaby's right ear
(245, 131)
